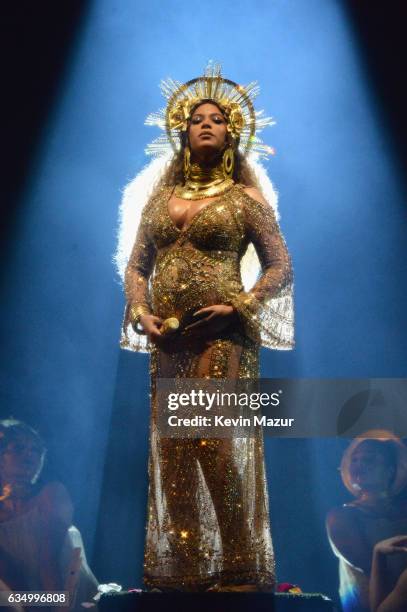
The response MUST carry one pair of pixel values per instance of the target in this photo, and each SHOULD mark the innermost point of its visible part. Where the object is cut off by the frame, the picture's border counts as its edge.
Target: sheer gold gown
(208, 517)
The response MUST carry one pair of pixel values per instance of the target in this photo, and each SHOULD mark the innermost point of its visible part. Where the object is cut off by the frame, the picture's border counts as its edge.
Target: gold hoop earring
(187, 161)
(228, 162)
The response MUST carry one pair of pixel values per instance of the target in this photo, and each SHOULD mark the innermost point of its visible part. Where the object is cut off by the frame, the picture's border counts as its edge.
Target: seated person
(40, 550)
(374, 470)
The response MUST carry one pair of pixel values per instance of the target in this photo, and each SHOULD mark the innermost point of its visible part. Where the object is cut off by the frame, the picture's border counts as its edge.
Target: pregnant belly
(181, 287)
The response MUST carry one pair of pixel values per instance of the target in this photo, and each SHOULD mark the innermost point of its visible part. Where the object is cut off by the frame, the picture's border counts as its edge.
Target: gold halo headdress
(236, 102)
(243, 124)
(400, 479)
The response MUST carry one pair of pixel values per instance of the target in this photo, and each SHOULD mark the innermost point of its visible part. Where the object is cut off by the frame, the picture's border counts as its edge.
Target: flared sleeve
(266, 310)
(136, 283)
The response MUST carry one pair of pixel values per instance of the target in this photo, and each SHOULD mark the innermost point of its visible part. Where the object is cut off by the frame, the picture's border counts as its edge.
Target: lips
(205, 134)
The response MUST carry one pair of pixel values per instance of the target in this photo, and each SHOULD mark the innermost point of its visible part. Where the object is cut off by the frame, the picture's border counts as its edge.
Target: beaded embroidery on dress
(208, 515)
(265, 308)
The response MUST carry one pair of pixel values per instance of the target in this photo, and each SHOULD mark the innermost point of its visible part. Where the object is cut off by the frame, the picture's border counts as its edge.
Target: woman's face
(21, 460)
(370, 471)
(207, 131)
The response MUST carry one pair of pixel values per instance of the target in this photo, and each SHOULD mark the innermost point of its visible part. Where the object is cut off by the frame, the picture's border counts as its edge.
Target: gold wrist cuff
(136, 312)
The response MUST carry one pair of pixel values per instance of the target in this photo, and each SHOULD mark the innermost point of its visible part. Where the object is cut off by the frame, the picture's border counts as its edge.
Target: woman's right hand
(151, 325)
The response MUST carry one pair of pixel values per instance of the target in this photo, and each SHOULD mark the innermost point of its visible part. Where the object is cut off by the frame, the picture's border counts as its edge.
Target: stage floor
(215, 602)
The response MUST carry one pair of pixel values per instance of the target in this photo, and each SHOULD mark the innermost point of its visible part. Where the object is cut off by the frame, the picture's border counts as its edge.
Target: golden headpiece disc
(236, 102)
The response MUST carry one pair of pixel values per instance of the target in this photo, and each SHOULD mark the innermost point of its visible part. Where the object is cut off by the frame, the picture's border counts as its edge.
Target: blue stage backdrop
(342, 213)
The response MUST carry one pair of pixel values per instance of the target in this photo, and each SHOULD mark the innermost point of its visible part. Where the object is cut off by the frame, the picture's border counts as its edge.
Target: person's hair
(386, 449)
(389, 446)
(11, 429)
(174, 175)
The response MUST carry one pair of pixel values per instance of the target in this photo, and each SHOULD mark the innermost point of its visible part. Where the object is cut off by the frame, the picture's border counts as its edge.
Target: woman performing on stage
(208, 281)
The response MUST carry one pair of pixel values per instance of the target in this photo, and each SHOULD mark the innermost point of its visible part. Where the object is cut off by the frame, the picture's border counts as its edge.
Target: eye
(196, 119)
(218, 119)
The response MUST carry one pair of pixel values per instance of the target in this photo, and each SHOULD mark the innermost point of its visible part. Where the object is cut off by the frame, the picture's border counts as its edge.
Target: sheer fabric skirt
(208, 516)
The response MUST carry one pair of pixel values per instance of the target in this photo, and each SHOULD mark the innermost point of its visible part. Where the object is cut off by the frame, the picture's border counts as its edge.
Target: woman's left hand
(391, 546)
(212, 319)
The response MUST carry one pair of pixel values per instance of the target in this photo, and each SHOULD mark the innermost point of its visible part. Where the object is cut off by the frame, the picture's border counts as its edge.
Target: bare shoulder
(54, 499)
(341, 514)
(255, 194)
(343, 535)
(341, 521)
(346, 537)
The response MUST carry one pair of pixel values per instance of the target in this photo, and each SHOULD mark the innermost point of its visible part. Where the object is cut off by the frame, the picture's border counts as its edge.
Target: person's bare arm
(56, 516)
(382, 598)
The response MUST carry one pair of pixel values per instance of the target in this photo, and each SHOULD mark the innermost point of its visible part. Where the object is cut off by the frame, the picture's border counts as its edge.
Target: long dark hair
(10, 429)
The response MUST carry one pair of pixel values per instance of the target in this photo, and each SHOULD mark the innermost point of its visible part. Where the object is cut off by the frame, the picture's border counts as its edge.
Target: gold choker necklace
(204, 183)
